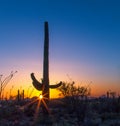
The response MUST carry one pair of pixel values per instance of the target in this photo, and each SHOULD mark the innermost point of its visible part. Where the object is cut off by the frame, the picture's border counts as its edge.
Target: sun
(40, 97)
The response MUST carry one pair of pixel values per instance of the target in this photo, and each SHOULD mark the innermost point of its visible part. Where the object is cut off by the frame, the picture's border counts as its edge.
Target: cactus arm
(36, 83)
(56, 85)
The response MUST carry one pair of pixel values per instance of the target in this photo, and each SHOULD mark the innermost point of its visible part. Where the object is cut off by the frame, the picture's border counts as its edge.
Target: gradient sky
(84, 41)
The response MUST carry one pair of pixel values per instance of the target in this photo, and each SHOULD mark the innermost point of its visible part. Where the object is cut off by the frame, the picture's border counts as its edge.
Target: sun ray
(37, 111)
(30, 103)
(45, 105)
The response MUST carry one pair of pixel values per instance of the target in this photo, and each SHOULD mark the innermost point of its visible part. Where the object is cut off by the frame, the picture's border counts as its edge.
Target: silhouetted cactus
(44, 85)
(18, 96)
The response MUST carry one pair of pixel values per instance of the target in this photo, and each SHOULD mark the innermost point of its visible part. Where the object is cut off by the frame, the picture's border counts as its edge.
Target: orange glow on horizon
(95, 92)
(24, 82)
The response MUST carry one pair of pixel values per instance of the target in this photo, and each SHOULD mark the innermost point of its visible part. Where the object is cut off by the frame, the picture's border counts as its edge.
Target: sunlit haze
(84, 43)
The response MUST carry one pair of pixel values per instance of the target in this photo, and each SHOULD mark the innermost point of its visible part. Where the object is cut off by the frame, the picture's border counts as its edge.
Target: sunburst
(41, 99)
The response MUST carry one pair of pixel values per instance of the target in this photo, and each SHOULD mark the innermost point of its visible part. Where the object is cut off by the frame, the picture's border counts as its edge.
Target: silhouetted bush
(75, 99)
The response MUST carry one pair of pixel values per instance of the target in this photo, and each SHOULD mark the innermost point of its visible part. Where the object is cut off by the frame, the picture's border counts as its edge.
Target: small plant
(3, 83)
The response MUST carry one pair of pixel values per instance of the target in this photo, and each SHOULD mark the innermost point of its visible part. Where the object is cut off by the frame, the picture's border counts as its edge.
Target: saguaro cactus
(44, 85)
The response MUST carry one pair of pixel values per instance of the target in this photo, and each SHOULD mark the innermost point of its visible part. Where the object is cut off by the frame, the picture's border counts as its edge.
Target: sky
(84, 42)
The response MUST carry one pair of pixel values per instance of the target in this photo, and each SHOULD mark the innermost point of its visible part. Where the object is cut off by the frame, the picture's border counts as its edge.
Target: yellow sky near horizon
(25, 83)
(60, 72)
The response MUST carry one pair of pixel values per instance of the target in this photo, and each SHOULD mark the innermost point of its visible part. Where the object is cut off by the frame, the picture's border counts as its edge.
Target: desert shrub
(69, 89)
(75, 99)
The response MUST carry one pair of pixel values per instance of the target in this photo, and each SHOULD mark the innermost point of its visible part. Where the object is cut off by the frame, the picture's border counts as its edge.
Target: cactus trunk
(45, 90)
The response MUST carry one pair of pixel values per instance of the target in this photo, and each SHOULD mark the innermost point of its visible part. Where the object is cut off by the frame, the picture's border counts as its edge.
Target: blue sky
(84, 40)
